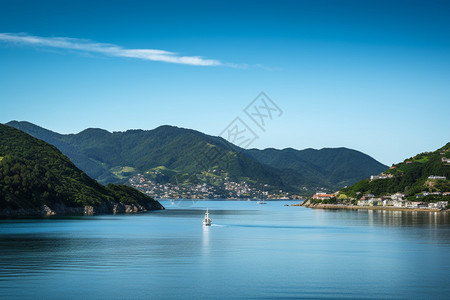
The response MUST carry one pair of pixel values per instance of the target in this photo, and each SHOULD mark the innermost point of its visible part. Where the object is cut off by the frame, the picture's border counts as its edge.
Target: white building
(388, 202)
(381, 176)
(427, 193)
(436, 177)
(397, 196)
(413, 204)
(363, 202)
(399, 203)
(370, 202)
(438, 205)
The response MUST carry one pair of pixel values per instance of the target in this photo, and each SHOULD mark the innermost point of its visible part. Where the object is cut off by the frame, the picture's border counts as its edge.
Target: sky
(368, 75)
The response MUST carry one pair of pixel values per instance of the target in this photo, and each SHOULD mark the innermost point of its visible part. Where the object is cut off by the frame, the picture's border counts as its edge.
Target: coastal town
(421, 183)
(195, 187)
(396, 200)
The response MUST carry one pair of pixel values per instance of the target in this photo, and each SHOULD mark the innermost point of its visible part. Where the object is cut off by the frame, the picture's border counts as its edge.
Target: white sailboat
(261, 201)
(207, 221)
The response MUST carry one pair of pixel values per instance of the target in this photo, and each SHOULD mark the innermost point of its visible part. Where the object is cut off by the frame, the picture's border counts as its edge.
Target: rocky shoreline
(308, 204)
(109, 207)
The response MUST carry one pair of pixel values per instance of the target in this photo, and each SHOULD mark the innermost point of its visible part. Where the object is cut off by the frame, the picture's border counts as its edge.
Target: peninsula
(419, 183)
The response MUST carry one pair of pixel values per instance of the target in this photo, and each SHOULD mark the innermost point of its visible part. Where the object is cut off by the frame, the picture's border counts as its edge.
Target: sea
(251, 251)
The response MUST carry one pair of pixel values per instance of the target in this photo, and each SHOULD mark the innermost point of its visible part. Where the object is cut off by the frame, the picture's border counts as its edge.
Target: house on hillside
(427, 194)
(323, 196)
(436, 177)
(367, 196)
(381, 176)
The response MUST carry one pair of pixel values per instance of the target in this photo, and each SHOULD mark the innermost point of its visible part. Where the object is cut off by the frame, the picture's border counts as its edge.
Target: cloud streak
(106, 49)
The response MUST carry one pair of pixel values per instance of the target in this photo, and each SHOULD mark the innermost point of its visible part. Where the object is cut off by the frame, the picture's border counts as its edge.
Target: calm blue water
(251, 251)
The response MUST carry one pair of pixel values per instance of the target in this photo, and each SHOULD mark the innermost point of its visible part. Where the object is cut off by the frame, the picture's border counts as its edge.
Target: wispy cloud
(107, 49)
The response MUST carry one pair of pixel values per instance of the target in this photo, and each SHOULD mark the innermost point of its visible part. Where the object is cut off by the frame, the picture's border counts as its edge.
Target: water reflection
(423, 226)
(26, 255)
(385, 217)
(249, 252)
(205, 239)
(406, 218)
(188, 212)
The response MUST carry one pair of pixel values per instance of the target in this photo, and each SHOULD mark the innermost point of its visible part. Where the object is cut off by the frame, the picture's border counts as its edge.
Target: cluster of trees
(332, 200)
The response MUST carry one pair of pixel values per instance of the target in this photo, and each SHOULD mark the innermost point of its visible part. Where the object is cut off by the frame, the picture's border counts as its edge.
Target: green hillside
(115, 157)
(410, 177)
(105, 155)
(34, 173)
(329, 167)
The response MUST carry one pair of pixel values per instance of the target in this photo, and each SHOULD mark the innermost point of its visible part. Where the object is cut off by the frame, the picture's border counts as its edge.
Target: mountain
(329, 167)
(116, 156)
(427, 172)
(36, 178)
(168, 152)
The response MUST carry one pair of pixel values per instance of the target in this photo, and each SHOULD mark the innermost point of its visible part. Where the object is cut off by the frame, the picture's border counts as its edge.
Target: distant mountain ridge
(335, 167)
(114, 157)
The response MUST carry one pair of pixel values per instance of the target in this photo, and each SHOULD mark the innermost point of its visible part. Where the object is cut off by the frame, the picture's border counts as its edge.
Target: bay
(251, 251)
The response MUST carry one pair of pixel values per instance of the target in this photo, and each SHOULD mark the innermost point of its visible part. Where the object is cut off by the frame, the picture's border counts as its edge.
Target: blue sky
(368, 75)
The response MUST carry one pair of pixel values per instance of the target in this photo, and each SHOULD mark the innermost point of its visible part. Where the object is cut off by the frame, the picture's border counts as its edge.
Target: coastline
(108, 207)
(355, 207)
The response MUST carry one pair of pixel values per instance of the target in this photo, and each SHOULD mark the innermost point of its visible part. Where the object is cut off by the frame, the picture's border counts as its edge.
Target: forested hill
(333, 167)
(105, 155)
(427, 172)
(114, 157)
(36, 178)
